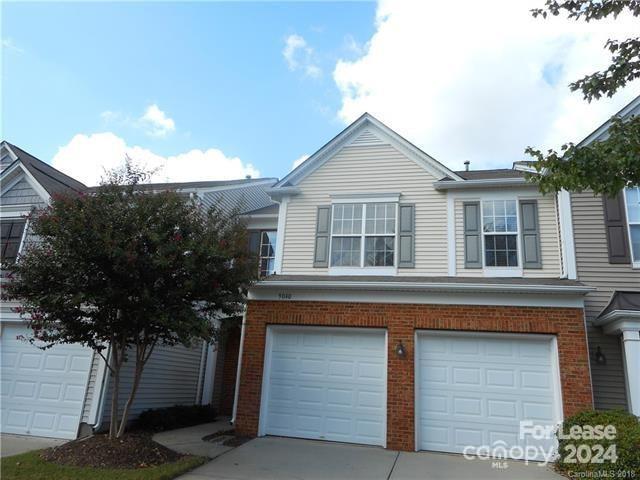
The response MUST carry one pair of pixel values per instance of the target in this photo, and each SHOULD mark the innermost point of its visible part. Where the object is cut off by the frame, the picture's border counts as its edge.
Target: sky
(213, 90)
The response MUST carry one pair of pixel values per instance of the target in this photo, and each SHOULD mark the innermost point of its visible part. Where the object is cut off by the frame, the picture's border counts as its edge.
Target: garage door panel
(475, 391)
(326, 384)
(42, 390)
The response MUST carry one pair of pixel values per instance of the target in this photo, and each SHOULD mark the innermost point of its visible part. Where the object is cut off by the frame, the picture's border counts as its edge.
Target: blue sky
(216, 69)
(219, 90)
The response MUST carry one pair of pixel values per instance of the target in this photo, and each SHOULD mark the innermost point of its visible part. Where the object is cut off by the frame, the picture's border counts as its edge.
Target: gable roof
(632, 108)
(349, 134)
(491, 174)
(52, 180)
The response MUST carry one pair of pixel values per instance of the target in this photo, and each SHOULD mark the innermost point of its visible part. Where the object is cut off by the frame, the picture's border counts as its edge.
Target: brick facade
(401, 321)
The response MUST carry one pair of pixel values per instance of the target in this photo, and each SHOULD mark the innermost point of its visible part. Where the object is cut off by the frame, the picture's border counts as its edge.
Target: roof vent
(466, 165)
(248, 177)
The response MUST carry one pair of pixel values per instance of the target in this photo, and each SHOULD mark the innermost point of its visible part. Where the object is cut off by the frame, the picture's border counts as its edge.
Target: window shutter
(615, 221)
(406, 245)
(254, 243)
(530, 234)
(323, 228)
(472, 250)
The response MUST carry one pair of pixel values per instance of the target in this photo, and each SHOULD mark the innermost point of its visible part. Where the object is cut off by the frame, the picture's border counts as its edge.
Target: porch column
(631, 347)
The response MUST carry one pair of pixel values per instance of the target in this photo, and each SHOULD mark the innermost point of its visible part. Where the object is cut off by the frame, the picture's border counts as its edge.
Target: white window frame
(363, 269)
(635, 262)
(261, 257)
(491, 271)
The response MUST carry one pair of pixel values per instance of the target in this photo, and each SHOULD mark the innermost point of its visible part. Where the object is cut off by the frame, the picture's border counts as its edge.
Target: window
(267, 252)
(500, 232)
(369, 225)
(632, 197)
(12, 231)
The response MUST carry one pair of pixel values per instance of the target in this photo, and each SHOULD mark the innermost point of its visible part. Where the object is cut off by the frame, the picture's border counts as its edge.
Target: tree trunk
(115, 391)
(132, 394)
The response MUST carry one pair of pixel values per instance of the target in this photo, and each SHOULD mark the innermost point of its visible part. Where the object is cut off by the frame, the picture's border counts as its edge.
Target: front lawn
(29, 466)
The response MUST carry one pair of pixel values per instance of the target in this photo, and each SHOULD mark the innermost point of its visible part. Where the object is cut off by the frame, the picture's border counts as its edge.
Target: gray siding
(171, 377)
(594, 269)
(21, 194)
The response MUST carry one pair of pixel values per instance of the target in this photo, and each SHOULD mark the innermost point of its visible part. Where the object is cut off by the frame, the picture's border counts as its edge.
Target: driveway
(15, 444)
(287, 458)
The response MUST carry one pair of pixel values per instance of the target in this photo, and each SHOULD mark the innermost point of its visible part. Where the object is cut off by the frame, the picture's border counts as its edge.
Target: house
(411, 306)
(606, 242)
(64, 391)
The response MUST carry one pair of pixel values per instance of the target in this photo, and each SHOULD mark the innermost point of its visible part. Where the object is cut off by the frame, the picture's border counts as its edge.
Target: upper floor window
(267, 252)
(632, 198)
(11, 234)
(500, 232)
(363, 235)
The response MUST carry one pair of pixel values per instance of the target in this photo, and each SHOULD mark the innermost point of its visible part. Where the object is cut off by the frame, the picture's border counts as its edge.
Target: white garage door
(325, 383)
(474, 389)
(42, 392)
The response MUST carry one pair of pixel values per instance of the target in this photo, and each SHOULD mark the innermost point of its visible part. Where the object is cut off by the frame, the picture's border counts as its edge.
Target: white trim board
(419, 297)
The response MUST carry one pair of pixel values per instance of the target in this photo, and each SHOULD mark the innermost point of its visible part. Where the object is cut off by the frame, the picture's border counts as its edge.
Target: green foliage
(625, 54)
(29, 466)
(627, 444)
(178, 416)
(603, 166)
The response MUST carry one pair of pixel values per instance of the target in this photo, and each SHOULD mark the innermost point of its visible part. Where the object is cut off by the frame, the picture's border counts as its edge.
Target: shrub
(178, 416)
(626, 441)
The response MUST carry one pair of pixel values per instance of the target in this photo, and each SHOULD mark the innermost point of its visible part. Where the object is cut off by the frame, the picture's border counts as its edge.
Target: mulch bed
(130, 451)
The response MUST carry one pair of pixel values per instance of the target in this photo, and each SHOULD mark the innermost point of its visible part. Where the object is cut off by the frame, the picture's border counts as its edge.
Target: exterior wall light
(401, 352)
(600, 358)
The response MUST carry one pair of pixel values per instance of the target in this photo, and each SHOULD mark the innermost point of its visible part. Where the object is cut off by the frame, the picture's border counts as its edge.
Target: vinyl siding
(549, 238)
(21, 194)
(171, 377)
(371, 168)
(594, 269)
(90, 394)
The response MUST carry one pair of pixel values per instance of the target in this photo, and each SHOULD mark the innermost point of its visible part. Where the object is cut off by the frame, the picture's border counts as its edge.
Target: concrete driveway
(15, 444)
(287, 458)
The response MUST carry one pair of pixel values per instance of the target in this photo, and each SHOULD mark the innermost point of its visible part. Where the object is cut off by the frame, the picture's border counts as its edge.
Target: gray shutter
(615, 221)
(530, 234)
(406, 237)
(254, 242)
(472, 249)
(323, 229)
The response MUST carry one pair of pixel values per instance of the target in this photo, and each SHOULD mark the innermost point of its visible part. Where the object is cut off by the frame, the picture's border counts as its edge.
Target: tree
(123, 270)
(605, 166)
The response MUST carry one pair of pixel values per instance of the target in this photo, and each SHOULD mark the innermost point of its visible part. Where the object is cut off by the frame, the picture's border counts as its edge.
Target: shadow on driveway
(15, 444)
(274, 458)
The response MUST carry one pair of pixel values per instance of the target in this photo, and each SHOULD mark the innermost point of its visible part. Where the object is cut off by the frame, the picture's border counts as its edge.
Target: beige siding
(549, 241)
(594, 269)
(372, 169)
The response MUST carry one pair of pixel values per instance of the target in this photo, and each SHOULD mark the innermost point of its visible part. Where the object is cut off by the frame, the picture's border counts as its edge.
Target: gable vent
(367, 137)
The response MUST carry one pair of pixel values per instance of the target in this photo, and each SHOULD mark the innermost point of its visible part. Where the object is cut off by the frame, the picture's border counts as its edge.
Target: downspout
(239, 369)
(103, 392)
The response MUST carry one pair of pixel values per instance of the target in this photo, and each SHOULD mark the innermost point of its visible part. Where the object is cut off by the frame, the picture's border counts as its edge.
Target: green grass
(29, 466)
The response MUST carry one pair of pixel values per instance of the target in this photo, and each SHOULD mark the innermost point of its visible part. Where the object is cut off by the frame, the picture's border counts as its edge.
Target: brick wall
(401, 321)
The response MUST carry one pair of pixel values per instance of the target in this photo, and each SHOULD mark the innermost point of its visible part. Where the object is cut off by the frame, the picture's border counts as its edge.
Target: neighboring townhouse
(64, 392)
(606, 242)
(411, 306)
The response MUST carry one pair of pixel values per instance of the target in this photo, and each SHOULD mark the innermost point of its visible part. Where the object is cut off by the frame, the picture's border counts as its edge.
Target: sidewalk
(189, 440)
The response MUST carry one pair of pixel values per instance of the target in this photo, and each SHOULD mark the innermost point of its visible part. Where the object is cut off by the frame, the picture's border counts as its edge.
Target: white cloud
(480, 86)
(299, 160)
(9, 44)
(300, 56)
(155, 122)
(86, 157)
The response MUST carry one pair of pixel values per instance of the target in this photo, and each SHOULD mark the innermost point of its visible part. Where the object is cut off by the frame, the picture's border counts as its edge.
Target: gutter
(239, 368)
(485, 183)
(422, 286)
